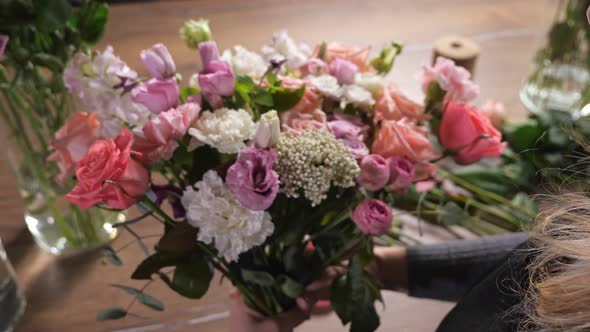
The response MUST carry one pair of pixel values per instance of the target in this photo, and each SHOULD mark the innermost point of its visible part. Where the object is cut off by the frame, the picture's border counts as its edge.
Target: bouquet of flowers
(276, 165)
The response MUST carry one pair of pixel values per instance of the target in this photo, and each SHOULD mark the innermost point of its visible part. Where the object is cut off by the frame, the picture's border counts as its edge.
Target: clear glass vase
(12, 300)
(57, 225)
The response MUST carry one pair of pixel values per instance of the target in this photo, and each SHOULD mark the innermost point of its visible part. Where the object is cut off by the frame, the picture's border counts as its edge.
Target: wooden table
(66, 294)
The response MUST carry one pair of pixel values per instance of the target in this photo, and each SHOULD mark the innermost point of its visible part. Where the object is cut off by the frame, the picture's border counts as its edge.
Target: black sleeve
(446, 271)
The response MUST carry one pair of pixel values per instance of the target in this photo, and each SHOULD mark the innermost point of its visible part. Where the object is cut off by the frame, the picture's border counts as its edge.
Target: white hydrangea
(327, 85)
(356, 95)
(224, 129)
(222, 220)
(93, 78)
(283, 47)
(371, 81)
(245, 62)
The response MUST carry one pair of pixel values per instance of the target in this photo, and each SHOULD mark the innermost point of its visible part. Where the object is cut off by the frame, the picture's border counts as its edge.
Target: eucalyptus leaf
(150, 302)
(453, 214)
(111, 313)
(112, 257)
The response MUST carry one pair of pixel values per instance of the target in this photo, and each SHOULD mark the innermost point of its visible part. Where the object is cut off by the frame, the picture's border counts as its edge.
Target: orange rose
(392, 104)
(404, 139)
(310, 101)
(357, 55)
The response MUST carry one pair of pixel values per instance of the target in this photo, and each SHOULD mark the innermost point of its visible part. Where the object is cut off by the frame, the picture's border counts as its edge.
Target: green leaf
(90, 21)
(128, 289)
(524, 136)
(179, 240)
(260, 278)
(188, 91)
(453, 214)
(192, 279)
(492, 179)
(263, 98)
(204, 159)
(339, 297)
(51, 15)
(150, 302)
(154, 263)
(111, 313)
(112, 257)
(284, 99)
(290, 287)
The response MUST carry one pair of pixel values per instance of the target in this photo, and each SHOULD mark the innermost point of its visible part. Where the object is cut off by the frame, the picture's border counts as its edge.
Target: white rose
(268, 131)
(327, 85)
(245, 62)
(370, 81)
(356, 95)
(224, 129)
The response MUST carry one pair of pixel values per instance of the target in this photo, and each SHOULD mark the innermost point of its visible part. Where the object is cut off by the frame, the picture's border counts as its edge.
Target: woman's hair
(558, 298)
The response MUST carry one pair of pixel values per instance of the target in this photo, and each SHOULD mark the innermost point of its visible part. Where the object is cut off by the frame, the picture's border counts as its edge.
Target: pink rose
(392, 104)
(374, 172)
(109, 160)
(252, 179)
(404, 139)
(296, 122)
(373, 217)
(347, 129)
(157, 95)
(72, 142)
(358, 149)
(313, 66)
(401, 174)
(357, 55)
(343, 70)
(3, 42)
(455, 80)
(470, 134)
(162, 133)
(495, 112)
(158, 62)
(310, 101)
(217, 78)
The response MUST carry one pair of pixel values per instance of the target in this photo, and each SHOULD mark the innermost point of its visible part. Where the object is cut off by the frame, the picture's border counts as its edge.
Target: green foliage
(192, 278)
(383, 62)
(143, 298)
(111, 313)
(90, 21)
(260, 278)
(453, 214)
(112, 257)
(186, 92)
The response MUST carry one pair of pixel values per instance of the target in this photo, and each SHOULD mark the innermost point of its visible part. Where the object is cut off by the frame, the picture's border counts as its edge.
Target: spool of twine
(463, 51)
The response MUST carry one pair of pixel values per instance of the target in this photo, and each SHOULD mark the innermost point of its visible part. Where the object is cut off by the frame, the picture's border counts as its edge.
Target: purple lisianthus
(158, 61)
(252, 179)
(173, 194)
(357, 148)
(343, 70)
(209, 52)
(374, 172)
(217, 78)
(157, 95)
(3, 42)
(401, 174)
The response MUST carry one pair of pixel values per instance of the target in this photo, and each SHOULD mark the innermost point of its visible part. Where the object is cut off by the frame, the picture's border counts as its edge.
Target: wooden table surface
(66, 294)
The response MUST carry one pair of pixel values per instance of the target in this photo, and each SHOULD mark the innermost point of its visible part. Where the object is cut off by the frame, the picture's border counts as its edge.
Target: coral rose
(392, 104)
(309, 102)
(404, 139)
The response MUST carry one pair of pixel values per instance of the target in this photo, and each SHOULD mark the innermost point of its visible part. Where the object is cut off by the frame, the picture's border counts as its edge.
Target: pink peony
(495, 112)
(109, 160)
(310, 101)
(373, 217)
(404, 139)
(72, 142)
(374, 172)
(455, 80)
(252, 179)
(392, 104)
(469, 134)
(343, 70)
(157, 95)
(296, 122)
(162, 133)
(401, 172)
(357, 55)
(158, 62)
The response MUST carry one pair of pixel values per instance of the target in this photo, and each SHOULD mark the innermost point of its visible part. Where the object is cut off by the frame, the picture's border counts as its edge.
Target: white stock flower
(224, 129)
(356, 95)
(283, 46)
(245, 62)
(371, 81)
(92, 78)
(222, 220)
(327, 85)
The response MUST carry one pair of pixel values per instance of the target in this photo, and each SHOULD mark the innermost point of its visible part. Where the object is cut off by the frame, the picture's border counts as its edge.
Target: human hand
(389, 267)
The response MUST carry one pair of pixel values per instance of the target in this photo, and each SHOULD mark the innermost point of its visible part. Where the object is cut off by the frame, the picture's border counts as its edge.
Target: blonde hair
(558, 298)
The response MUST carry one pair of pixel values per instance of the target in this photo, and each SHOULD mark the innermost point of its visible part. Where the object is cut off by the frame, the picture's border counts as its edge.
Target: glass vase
(12, 300)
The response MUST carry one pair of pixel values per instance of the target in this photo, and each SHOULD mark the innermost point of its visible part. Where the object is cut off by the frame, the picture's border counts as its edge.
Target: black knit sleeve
(447, 270)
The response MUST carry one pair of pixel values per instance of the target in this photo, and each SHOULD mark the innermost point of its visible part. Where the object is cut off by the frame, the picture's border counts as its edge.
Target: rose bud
(401, 174)
(374, 172)
(373, 217)
(268, 131)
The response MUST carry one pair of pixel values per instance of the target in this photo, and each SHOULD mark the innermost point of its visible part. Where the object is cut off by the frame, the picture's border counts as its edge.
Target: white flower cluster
(284, 47)
(92, 78)
(245, 62)
(355, 94)
(224, 129)
(222, 220)
(312, 162)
